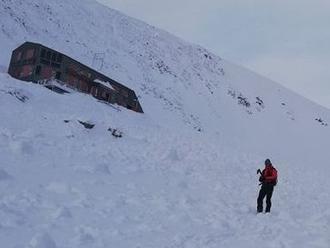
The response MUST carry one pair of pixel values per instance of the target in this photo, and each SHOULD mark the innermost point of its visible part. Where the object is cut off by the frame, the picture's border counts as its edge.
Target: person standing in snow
(268, 180)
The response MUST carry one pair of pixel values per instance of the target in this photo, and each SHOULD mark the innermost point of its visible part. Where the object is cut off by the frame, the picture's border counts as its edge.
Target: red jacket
(269, 174)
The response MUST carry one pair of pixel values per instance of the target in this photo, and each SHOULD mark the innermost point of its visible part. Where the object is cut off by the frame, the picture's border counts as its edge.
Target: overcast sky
(285, 40)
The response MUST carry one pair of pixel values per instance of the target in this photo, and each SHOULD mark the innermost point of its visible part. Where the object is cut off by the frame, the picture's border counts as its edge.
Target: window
(53, 56)
(38, 70)
(17, 71)
(43, 53)
(124, 93)
(19, 56)
(46, 72)
(114, 97)
(56, 65)
(59, 58)
(48, 55)
(120, 99)
(29, 54)
(26, 71)
(58, 75)
(45, 62)
(94, 91)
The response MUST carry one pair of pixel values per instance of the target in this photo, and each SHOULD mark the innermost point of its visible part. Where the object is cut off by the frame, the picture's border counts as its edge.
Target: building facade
(35, 62)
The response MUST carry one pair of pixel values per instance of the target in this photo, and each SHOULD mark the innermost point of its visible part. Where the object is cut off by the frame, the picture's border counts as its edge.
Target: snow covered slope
(183, 174)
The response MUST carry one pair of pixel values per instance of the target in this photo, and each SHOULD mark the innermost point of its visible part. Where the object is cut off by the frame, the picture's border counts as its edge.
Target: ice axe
(259, 172)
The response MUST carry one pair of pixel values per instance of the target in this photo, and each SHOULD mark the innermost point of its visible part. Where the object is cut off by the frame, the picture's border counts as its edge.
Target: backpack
(274, 182)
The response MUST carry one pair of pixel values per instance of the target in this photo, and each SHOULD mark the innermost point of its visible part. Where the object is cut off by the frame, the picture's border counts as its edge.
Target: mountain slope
(66, 186)
(183, 174)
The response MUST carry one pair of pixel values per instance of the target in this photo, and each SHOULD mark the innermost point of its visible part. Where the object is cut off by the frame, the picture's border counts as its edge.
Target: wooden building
(35, 62)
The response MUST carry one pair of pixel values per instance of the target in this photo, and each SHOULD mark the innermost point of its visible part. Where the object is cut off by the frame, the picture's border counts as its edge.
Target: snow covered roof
(107, 84)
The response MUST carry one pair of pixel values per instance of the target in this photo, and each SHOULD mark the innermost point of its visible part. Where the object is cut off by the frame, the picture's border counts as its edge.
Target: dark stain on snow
(86, 124)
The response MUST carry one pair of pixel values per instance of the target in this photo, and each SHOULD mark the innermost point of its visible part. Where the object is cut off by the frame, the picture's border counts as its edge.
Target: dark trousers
(266, 190)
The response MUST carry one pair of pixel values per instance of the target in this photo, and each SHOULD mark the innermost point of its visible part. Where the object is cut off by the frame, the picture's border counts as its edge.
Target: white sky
(285, 40)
